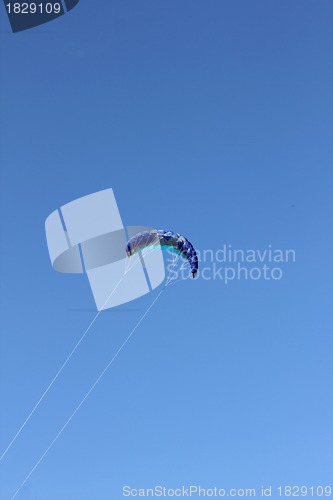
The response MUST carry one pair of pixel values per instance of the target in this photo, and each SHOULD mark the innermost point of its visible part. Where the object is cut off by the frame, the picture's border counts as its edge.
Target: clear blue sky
(212, 118)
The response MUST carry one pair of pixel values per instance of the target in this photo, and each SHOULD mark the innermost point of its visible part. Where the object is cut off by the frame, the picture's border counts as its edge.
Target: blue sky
(213, 119)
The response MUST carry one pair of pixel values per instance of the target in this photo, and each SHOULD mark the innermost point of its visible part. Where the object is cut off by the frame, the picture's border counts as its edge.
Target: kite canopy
(164, 239)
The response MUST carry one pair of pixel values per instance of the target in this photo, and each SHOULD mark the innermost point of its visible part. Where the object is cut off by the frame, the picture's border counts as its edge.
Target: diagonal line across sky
(93, 386)
(127, 269)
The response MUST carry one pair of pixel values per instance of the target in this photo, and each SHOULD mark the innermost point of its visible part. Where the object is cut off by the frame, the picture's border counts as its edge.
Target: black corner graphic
(70, 4)
(24, 15)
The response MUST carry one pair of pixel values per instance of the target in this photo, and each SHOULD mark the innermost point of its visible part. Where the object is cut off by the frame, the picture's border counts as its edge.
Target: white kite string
(128, 268)
(91, 389)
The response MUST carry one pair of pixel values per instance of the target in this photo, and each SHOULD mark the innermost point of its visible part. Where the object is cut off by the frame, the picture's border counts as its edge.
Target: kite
(161, 238)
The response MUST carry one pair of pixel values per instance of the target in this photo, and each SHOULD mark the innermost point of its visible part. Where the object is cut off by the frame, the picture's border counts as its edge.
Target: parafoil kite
(164, 239)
